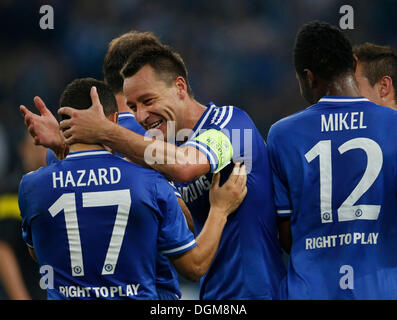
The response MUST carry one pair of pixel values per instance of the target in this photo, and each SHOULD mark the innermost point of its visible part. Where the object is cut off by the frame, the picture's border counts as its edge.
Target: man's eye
(148, 101)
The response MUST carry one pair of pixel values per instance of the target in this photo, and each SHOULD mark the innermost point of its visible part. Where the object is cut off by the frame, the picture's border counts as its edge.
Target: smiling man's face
(153, 100)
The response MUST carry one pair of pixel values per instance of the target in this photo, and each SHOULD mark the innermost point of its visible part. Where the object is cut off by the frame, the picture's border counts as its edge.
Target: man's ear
(355, 62)
(385, 87)
(309, 78)
(113, 117)
(181, 87)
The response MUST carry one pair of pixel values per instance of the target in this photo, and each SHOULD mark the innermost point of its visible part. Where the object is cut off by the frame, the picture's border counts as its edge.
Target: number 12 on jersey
(348, 211)
(67, 203)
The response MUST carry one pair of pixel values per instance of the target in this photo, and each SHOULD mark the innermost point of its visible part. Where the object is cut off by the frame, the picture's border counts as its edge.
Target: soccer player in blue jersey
(119, 50)
(249, 263)
(376, 73)
(102, 218)
(335, 175)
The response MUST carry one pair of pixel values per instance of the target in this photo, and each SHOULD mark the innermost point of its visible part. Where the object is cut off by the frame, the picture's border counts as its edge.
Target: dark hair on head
(377, 61)
(77, 95)
(167, 64)
(324, 50)
(118, 53)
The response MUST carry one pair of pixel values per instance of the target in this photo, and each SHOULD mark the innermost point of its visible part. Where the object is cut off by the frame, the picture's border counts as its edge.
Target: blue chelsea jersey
(98, 222)
(166, 275)
(248, 264)
(335, 176)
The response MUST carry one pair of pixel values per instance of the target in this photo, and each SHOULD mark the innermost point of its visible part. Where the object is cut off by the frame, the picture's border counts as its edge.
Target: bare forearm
(11, 275)
(208, 240)
(177, 164)
(187, 214)
(196, 262)
(124, 141)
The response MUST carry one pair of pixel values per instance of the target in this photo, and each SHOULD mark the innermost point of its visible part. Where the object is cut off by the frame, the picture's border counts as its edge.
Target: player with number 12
(335, 177)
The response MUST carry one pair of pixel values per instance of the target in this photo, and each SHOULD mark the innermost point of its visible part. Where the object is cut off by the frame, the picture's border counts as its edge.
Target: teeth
(156, 124)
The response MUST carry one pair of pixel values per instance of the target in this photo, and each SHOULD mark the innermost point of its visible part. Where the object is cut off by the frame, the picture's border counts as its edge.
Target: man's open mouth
(155, 125)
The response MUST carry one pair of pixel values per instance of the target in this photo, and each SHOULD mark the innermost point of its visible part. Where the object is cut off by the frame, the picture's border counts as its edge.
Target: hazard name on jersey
(86, 178)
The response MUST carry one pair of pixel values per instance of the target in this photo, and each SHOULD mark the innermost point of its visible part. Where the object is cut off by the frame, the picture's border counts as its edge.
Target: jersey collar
(202, 120)
(340, 99)
(87, 153)
(126, 115)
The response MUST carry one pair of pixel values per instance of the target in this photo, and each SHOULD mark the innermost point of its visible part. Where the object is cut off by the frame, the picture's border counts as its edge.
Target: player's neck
(390, 103)
(193, 112)
(77, 147)
(345, 86)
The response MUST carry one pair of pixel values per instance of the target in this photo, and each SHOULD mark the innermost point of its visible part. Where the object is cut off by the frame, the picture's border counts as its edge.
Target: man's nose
(141, 114)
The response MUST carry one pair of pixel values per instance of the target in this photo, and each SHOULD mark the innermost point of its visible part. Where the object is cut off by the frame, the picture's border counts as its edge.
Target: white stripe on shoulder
(179, 248)
(221, 116)
(202, 122)
(215, 115)
(229, 116)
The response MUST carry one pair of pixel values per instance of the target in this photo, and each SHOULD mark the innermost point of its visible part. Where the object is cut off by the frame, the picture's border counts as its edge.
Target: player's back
(248, 264)
(93, 218)
(336, 175)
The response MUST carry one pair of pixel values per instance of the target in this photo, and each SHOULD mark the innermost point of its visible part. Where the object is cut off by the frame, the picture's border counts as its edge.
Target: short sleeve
(27, 207)
(174, 235)
(176, 192)
(281, 192)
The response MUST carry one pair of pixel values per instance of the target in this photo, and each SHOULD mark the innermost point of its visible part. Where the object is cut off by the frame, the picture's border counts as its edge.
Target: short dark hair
(324, 50)
(77, 96)
(118, 53)
(167, 63)
(378, 61)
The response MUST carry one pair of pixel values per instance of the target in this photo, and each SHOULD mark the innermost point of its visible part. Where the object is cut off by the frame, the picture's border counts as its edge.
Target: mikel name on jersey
(342, 121)
(86, 178)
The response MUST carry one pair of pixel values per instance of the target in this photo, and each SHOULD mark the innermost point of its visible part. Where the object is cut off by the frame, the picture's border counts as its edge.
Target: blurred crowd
(237, 52)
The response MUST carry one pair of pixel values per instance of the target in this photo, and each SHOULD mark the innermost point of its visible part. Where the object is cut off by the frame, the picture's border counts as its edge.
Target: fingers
(26, 114)
(67, 111)
(94, 96)
(67, 135)
(242, 176)
(40, 105)
(236, 172)
(215, 180)
(24, 111)
(65, 124)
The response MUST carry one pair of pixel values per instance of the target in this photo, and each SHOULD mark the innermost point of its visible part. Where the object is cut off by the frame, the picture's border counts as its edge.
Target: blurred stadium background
(238, 52)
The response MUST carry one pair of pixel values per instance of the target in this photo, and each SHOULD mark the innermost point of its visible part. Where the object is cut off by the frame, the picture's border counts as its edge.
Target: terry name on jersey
(342, 121)
(195, 189)
(86, 178)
